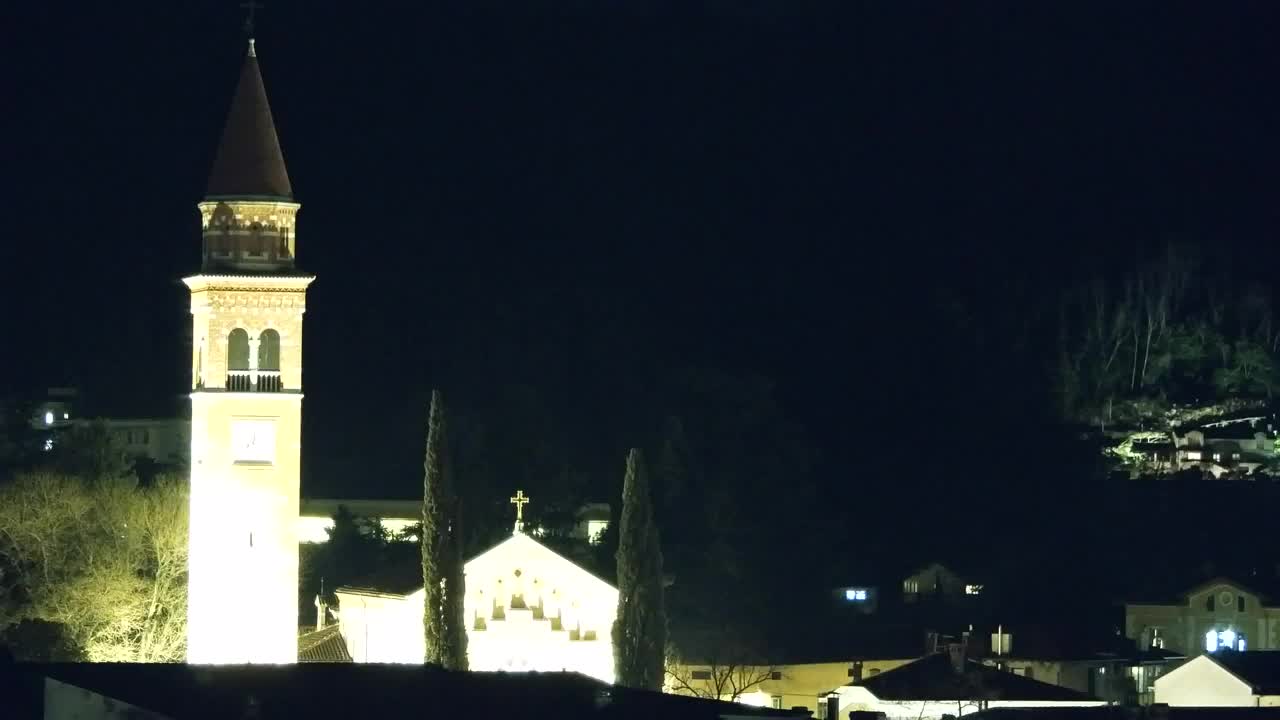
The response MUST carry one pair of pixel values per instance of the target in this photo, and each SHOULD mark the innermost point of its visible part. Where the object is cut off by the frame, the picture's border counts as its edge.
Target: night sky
(577, 196)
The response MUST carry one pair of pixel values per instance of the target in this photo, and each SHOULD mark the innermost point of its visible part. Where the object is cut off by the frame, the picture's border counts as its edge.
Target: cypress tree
(444, 633)
(455, 629)
(640, 630)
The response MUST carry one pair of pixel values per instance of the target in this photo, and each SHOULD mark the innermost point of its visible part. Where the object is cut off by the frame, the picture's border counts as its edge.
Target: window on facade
(269, 350)
(776, 701)
(775, 675)
(1239, 603)
(1229, 639)
(1193, 455)
(701, 674)
(255, 243)
(238, 350)
(1209, 604)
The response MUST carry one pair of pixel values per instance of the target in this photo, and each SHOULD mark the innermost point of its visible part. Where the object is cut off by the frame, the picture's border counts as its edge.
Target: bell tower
(246, 397)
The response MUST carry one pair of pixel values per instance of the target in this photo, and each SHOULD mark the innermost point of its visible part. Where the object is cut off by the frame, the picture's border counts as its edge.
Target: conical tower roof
(249, 163)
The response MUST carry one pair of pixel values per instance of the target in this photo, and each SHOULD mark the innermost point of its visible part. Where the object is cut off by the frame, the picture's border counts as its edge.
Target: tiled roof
(323, 646)
(249, 162)
(934, 678)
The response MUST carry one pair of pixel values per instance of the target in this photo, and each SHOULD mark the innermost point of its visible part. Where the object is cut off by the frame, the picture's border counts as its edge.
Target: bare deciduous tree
(728, 676)
(106, 561)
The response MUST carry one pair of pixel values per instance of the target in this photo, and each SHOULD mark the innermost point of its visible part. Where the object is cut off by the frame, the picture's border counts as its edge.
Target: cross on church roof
(520, 501)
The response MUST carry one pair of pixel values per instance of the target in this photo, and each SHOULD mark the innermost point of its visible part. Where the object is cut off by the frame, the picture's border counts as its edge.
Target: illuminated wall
(786, 686)
(527, 608)
(1201, 682)
(243, 556)
(860, 698)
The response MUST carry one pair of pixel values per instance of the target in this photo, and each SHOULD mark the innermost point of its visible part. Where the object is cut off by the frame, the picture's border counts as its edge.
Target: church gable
(526, 608)
(539, 561)
(1222, 595)
(529, 608)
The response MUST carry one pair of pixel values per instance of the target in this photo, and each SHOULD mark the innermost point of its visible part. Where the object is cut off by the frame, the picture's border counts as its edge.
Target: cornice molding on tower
(249, 283)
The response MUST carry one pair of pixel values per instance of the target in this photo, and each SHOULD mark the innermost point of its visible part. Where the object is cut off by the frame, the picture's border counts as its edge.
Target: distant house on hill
(937, 582)
(1237, 446)
(1242, 445)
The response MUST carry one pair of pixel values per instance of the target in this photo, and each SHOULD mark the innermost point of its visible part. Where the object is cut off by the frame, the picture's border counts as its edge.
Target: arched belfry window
(238, 350)
(256, 246)
(269, 350)
(238, 376)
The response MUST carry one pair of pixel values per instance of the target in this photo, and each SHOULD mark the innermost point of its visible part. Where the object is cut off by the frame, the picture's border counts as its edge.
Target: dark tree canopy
(640, 631)
(444, 633)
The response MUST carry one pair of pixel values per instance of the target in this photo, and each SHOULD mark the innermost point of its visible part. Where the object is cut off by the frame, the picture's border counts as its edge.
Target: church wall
(528, 608)
(382, 628)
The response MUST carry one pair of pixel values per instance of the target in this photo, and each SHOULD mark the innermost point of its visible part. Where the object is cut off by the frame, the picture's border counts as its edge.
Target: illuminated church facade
(527, 607)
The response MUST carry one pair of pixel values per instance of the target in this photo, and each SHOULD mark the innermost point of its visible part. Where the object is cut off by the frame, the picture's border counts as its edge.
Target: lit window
(595, 530)
(48, 444)
(48, 417)
(1193, 454)
(972, 589)
(66, 416)
(855, 594)
(1217, 457)
(1227, 638)
(1215, 640)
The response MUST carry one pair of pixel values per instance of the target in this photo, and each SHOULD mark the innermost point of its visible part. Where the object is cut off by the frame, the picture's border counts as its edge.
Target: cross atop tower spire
(251, 6)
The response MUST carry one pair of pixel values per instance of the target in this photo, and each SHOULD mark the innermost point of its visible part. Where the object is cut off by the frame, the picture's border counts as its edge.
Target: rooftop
(316, 691)
(1258, 668)
(249, 163)
(935, 678)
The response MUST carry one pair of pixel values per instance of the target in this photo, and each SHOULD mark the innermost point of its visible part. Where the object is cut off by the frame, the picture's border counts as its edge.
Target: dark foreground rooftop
(317, 691)
(1130, 713)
